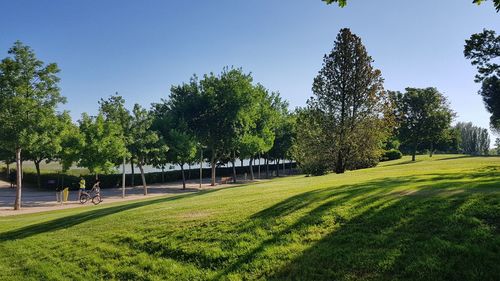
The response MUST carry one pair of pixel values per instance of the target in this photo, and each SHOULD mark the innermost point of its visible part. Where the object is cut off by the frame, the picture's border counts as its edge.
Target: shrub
(391, 154)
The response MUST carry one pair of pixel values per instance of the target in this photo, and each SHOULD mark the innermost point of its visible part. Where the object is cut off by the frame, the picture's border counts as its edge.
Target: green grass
(436, 219)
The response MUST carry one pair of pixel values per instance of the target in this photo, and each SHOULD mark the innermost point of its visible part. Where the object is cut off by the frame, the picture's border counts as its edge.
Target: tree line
(350, 122)
(225, 117)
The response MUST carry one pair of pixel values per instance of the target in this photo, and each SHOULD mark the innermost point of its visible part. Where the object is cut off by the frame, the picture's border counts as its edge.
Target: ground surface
(430, 220)
(35, 200)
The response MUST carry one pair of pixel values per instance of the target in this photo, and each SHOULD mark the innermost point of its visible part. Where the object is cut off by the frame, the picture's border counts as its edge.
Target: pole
(123, 178)
(201, 167)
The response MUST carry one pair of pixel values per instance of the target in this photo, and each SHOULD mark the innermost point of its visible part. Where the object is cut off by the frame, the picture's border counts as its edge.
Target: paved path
(34, 201)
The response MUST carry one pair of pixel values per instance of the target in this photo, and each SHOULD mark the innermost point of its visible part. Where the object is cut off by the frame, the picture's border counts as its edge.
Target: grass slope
(436, 219)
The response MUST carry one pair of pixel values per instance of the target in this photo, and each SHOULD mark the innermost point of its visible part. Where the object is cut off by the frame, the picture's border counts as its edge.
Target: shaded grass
(431, 220)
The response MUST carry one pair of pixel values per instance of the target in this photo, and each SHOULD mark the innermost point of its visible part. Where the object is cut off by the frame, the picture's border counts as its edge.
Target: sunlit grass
(430, 220)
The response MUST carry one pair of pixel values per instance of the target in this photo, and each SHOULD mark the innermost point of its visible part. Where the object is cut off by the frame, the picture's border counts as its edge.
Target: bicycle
(94, 194)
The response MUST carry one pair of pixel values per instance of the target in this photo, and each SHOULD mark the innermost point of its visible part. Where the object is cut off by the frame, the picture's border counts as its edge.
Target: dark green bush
(391, 154)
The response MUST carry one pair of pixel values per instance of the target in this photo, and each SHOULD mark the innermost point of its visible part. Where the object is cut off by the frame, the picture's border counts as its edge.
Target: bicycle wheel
(84, 198)
(96, 199)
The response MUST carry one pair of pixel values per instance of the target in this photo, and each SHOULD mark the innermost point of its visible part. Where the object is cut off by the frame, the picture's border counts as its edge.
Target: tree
(114, 111)
(221, 104)
(310, 147)
(483, 49)
(425, 117)
(145, 142)
(284, 131)
(473, 140)
(497, 146)
(348, 91)
(29, 93)
(102, 144)
(45, 143)
(257, 134)
(343, 3)
(170, 123)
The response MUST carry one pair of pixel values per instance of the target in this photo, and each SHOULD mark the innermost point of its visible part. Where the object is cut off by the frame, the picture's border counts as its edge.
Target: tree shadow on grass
(81, 217)
(377, 231)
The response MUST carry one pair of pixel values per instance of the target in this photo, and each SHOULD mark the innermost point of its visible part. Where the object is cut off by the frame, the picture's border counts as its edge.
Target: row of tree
(224, 117)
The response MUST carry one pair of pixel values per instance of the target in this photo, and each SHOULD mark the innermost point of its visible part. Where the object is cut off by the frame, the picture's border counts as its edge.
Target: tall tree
(483, 49)
(223, 99)
(170, 122)
(259, 119)
(114, 110)
(349, 91)
(145, 142)
(424, 116)
(29, 93)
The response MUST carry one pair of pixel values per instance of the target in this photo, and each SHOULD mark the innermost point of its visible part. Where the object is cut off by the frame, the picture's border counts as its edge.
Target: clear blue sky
(141, 48)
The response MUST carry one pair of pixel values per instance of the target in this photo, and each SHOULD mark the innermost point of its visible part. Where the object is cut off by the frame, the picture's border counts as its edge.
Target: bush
(391, 154)
(314, 168)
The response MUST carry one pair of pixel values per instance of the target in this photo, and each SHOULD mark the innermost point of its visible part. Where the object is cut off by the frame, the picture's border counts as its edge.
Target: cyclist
(82, 187)
(96, 187)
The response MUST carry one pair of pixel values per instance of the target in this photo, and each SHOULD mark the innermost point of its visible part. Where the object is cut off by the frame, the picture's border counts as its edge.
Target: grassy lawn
(435, 219)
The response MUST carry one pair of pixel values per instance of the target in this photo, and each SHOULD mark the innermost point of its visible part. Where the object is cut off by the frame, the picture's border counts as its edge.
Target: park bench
(225, 180)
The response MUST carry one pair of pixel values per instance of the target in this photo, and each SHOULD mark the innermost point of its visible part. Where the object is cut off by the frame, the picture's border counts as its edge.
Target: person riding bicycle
(97, 187)
(82, 187)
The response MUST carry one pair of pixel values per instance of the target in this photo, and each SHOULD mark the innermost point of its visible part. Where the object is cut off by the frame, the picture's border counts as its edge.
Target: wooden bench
(226, 180)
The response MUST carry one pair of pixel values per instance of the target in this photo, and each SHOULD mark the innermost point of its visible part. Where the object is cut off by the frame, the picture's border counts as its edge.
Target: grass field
(435, 219)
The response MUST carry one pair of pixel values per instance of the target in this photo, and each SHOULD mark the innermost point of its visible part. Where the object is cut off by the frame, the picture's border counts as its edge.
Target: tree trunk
(212, 166)
(241, 160)
(267, 167)
(162, 174)
(431, 150)
(290, 167)
(143, 179)
(277, 167)
(340, 166)
(234, 170)
(123, 176)
(284, 167)
(8, 169)
(414, 152)
(38, 180)
(17, 203)
(251, 169)
(259, 168)
(189, 171)
(132, 170)
(183, 177)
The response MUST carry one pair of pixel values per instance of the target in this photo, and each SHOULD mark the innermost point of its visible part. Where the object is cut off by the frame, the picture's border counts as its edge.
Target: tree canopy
(343, 3)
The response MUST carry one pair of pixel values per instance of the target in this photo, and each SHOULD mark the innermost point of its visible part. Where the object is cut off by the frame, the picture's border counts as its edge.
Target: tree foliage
(29, 94)
(424, 118)
(343, 3)
(348, 94)
(473, 140)
(483, 49)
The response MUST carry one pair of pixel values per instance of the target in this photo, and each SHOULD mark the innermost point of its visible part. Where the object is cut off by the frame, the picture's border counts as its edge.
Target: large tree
(483, 49)
(171, 122)
(425, 117)
(349, 92)
(114, 110)
(343, 3)
(29, 93)
(145, 141)
(223, 100)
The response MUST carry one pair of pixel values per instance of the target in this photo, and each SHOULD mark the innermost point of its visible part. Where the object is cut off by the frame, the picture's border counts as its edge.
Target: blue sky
(141, 48)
